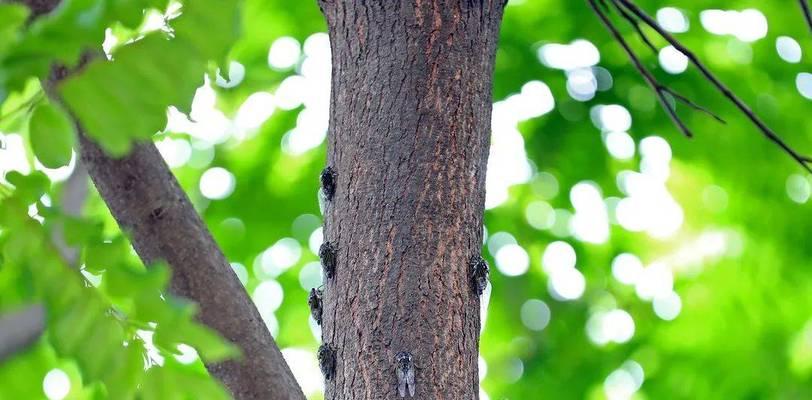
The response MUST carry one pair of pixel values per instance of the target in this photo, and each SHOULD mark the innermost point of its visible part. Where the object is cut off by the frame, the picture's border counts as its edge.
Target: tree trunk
(409, 136)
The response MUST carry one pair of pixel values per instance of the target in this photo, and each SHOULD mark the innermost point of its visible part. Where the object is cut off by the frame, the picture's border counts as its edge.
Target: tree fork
(408, 142)
(149, 204)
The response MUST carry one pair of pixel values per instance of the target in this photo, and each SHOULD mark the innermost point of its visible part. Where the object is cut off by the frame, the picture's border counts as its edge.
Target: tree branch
(807, 13)
(677, 96)
(658, 89)
(636, 25)
(39, 7)
(722, 88)
(20, 329)
(148, 203)
(74, 194)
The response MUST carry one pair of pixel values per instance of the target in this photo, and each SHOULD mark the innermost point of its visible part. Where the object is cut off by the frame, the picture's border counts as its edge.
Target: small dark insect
(327, 253)
(404, 369)
(479, 273)
(327, 361)
(328, 182)
(315, 304)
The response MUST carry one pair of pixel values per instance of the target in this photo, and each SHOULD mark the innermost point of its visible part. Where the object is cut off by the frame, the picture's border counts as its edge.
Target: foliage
(737, 259)
(111, 322)
(99, 317)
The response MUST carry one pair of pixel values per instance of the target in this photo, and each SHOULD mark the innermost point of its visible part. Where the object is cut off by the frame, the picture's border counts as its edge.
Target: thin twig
(807, 13)
(689, 103)
(656, 87)
(636, 25)
(677, 96)
(726, 92)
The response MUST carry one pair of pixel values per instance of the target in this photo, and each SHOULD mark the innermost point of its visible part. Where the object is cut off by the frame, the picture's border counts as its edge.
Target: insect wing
(410, 381)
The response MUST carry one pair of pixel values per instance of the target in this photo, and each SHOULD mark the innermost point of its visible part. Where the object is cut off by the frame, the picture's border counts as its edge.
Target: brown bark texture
(408, 140)
(148, 203)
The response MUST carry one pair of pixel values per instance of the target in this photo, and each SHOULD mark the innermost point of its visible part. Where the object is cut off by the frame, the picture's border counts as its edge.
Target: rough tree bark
(409, 136)
(149, 204)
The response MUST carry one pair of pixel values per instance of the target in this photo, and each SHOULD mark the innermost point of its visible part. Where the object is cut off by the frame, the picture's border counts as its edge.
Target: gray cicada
(404, 369)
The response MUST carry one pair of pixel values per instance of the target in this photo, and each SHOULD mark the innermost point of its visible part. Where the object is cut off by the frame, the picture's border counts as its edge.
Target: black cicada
(328, 182)
(327, 361)
(327, 253)
(314, 301)
(479, 273)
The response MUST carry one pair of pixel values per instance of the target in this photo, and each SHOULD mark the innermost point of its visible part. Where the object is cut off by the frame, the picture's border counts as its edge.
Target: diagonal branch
(634, 22)
(74, 195)
(659, 90)
(688, 102)
(636, 25)
(20, 329)
(722, 88)
(807, 13)
(147, 202)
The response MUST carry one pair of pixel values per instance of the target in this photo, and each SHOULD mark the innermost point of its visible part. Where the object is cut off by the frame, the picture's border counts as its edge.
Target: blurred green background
(628, 262)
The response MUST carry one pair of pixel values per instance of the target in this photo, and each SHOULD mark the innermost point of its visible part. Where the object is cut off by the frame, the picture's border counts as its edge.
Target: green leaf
(12, 17)
(15, 112)
(52, 136)
(60, 36)
(101, 349)
(210, 345)
(124, 281)
(125, 100)
(200, 19)
(22, 374)
(102, 255)
(123, 382)
(79, 231)
(72, 326)
(178, 381)
(28, 188)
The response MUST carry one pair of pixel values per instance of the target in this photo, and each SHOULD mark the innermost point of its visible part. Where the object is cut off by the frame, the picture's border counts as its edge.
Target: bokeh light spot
(512, 260)
(667, 307)
(535, 314)
(284, 53)
(788, 49)
(672, 20)
(217, 183)
(56, 384)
